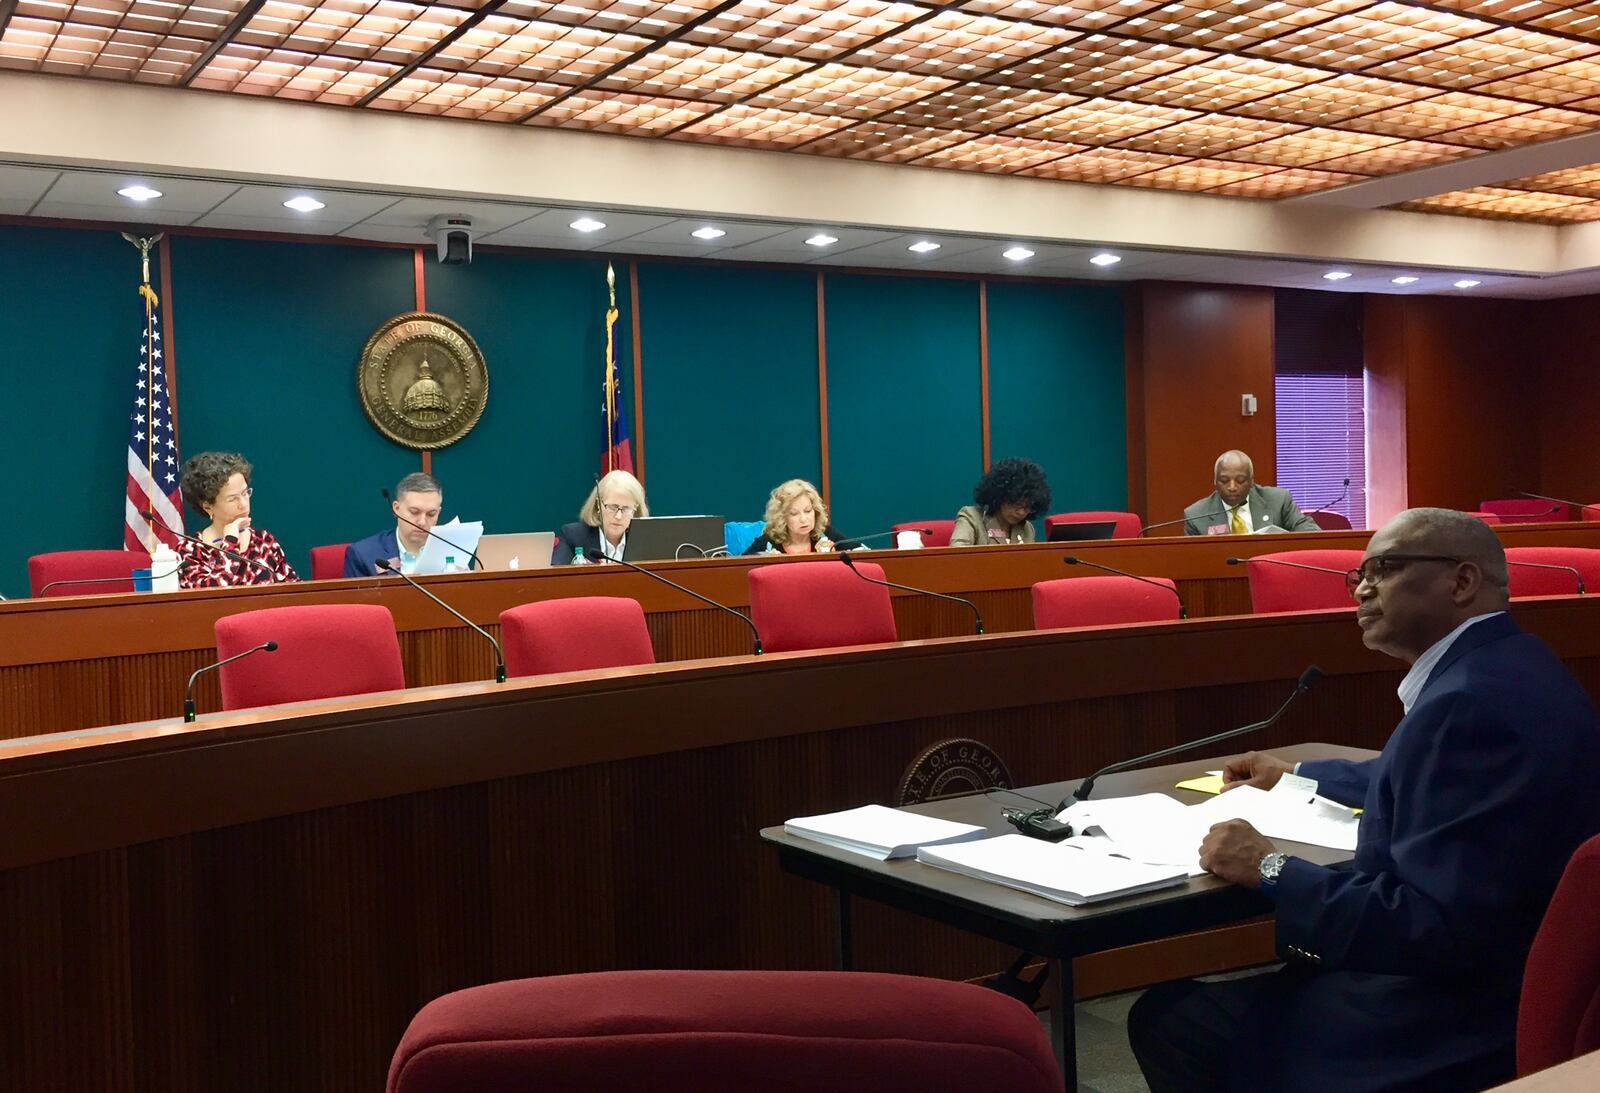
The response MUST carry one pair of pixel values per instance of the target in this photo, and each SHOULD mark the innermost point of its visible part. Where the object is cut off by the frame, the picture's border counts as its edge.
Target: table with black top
(1051, 930)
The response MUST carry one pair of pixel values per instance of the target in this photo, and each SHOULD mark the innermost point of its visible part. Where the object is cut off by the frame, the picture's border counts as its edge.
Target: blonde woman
(601, 529)
(796, 522)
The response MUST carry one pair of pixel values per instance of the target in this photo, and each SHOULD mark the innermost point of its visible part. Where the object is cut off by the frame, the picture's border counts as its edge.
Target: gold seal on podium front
(422, 380)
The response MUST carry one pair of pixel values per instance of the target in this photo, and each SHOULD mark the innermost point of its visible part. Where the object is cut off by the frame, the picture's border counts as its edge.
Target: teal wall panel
(73, 323)
(267, 336)
(1056, 388)
(905, 429)
(540, 322)
(730, 386)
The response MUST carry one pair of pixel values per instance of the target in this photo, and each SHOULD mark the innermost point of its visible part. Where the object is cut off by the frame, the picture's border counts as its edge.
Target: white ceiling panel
(263, 205)
(788, 244)
(551, 228)
(20, 187)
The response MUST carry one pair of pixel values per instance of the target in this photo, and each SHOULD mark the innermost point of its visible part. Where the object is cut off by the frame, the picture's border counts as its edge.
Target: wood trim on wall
(419, 279)
(822, 384)
(164, 254)
(983, 364)
(638, 372)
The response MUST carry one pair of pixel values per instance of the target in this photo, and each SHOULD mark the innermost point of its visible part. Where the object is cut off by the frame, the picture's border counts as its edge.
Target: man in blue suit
(1404, 968)
(418, 500)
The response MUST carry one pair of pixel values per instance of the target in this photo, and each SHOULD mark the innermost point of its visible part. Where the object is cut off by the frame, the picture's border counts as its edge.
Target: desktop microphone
(844, 556)
(1183, 611)
(755, 635)
(1546, 565)
(1579, 505)
(107, 580)
(188, 694)
(234, 554)
(850, 542)
(471, 554)
(1291, 565)
(1342, 495)
(499, 656)
(1184, 519)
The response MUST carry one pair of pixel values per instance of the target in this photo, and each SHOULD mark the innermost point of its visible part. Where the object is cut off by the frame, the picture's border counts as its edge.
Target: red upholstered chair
(79, 565)
(574, 635)
(1330, 521)
(1280, 582)
(942, 530)
(1591, 512)
(323, 651)
(1128, 523)
(819, 605)
(1530, 580)
(725, 1032)
(327, 562)
(1559, 1017)
(1102, 601)
(1525, 510)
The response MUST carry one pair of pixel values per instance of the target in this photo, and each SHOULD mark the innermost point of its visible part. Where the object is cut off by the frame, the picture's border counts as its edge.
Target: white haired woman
(601, 530)
(796, 522)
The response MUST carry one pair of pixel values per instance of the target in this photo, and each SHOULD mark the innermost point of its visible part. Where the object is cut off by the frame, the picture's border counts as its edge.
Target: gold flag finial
(611, 284)
(145, 245)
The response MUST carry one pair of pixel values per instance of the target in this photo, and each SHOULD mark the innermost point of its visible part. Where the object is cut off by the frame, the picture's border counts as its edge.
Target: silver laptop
(522, 550)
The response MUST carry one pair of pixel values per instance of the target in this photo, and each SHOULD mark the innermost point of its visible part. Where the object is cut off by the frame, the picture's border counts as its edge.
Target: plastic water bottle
(450, 564)
(163, 569)
(578, 557)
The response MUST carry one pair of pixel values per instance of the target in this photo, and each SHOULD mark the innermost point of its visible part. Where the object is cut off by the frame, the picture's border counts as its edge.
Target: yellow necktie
(1237, 526)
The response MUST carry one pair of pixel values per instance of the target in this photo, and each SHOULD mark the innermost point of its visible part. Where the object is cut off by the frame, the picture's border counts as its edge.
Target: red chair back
(1525, 510)
(1530, 580)
(819, 605)
(327, 562)
(725, 1032)
(941, 531)
(1591, 512)
(575, 635)
(324, 651)
(1128, 523)
(1102, 601)
(1559, 1016)
(1278, 584)
(1487, 517)
(1330, 521)
(82, 565)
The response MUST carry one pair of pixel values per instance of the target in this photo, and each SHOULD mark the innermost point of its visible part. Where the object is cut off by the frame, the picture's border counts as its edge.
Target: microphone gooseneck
(1576, 575)
(1282, 562)
(977, 616)
(1183, 611)
(234, 554)
(1342, 495)
(499, 654)
(850, 542)
(107, 580)
(188, 692)
(1307, 680)
(1183, 520)
(472, 555)
(755, 635)
(1580, 505)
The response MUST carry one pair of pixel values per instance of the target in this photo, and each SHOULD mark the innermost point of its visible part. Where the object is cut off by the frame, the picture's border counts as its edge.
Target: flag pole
(611, 369)
(146, 244)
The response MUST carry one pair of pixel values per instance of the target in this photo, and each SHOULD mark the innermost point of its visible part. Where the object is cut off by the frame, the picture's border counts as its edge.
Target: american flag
(152, 444)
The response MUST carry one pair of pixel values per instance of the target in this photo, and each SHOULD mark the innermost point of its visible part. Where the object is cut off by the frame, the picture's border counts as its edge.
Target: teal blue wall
(267, 333)
(1056, 388)
(905, 422)
(730, 386)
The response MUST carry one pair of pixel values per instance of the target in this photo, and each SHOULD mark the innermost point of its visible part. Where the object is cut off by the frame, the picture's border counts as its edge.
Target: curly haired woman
(1008, 497)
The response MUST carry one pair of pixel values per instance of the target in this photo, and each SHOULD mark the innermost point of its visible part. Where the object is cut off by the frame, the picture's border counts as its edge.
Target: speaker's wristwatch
(1271, 866)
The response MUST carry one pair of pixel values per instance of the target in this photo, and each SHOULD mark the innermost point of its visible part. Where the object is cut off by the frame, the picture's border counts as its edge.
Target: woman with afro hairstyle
(1008, 497)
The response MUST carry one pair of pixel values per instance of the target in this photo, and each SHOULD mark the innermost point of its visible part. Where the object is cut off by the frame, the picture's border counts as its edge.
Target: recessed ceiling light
(708, 233)
(586, 224)
(304, 204)
(1467, 282)
(1335, 275)
(1406, 280)
(139, 193)
(821, 240)
(1105, 259)
(923, 247)
(1017, 254)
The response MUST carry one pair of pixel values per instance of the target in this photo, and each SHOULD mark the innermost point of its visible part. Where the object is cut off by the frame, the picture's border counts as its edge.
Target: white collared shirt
(1417, 678)
(609, 552)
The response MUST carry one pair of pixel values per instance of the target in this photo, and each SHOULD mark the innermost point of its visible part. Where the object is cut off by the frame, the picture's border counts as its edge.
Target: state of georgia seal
(422, 380)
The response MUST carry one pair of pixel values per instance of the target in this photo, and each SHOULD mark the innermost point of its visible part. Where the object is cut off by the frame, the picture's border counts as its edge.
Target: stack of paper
(1076, 871)
(880, 832)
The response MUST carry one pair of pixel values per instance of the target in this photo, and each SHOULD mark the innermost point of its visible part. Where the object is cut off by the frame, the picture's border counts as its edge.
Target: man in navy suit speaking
(1404, 967)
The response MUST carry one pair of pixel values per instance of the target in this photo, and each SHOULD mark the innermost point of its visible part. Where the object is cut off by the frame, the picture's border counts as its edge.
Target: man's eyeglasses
(1375, 569)
(620, 510)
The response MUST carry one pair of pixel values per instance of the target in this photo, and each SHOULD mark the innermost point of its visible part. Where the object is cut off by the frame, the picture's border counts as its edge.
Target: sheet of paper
(1075, 871)
(1209, 782)
(879, 832)
(465, 538)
